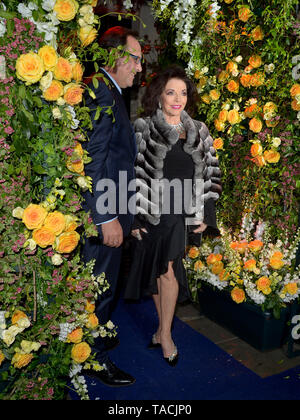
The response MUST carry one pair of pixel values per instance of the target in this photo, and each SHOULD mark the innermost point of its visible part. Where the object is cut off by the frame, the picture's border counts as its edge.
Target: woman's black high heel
(154, 344)
(173, 359)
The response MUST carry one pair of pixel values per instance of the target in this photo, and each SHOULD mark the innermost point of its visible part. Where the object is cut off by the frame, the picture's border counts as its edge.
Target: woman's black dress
(164, 242)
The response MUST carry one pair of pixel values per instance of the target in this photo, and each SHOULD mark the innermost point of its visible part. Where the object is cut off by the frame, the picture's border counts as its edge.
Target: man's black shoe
(110, 342)
(111, 375)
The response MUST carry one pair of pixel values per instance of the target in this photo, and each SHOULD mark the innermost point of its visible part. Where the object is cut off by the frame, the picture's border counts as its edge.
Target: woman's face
(174, 98)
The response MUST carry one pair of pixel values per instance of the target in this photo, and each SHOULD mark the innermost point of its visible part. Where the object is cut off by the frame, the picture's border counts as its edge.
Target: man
(112, 148)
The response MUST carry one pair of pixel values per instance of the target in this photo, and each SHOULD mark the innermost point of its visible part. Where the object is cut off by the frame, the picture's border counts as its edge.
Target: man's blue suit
(112, 147)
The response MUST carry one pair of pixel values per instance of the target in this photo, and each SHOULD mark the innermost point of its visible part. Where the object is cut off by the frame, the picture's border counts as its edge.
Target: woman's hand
(201, 228)
(137, 233)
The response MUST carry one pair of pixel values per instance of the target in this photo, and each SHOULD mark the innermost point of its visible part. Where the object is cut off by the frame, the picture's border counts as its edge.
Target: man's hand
(137, 233)
(200, 228)
(112, 233)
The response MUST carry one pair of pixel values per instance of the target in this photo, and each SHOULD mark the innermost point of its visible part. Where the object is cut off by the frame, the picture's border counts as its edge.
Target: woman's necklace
(178, 127)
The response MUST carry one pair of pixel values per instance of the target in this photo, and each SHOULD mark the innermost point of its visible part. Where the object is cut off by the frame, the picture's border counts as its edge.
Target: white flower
(2, 27)
(86, 9)
(24, 10)
(46, 81)
(56, 259)
(48, 5)
(276, 141)
(18, 212)
(56, 113)
(238, 59)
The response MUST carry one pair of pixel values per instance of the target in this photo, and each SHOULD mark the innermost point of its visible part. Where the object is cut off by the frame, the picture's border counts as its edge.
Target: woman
(171, 146)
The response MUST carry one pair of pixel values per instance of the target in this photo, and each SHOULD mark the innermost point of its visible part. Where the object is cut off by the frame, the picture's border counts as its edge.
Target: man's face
(127, 67)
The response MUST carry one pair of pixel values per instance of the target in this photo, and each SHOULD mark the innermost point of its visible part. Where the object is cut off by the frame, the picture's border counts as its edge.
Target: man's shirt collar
(113, 80)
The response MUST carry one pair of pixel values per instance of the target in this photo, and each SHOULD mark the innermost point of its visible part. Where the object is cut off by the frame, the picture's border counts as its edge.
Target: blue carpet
(204, 371)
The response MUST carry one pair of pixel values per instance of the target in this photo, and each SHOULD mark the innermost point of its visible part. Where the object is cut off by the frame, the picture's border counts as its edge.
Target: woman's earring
(159, 105)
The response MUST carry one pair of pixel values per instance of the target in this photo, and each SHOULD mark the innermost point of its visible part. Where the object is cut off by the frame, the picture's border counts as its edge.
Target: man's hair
(116, 36)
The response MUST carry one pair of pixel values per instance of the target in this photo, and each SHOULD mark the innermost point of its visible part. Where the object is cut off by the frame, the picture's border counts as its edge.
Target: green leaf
(39, 169)
(95, 82)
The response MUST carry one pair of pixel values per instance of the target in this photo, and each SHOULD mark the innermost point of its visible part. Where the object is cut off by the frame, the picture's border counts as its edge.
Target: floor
(263, 364)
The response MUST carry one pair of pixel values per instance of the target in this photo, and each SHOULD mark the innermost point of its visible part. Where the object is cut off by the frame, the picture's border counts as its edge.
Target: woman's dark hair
(155, 88)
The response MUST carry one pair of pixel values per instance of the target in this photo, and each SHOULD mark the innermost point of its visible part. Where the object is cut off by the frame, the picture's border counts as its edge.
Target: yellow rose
(270, 108)
(63, 70)
(295, 105)
(92, 321)
(244, 13)
(245, 80)
(56, 222)
(223, 115)
(87, 34)
(193, 252)
(198, 265)
(80, 352)
(232, 67)
(263, 284)
(205, 98)
(238, 295)
(255, 245)
(17, 315)
(90, 307)
(250, 265)
(65, 9)
(2, 357)
(30, 68)
(233, 117)
(219, 125)
(217, 267)
(271, 156)
(75, 336)
(54, 91)
(75, 165)
(259, 161)
(257, 34)
(257, 79)
(67, 242)
(256, 149)
(295, 90)
(77, 72)
(214, 94)
(43, 237)
(291, 288)
(71, 223)
(73, 94)
(213, 258)
(255, 125)
(34, 216)
(218, 143)
(21, 360)
(255, 61)
(49, 56)
(223, 76)
(251, 110)
(276, 260)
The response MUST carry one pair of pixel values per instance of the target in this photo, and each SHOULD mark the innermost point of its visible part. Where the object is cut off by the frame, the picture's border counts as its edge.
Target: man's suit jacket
(112, 147)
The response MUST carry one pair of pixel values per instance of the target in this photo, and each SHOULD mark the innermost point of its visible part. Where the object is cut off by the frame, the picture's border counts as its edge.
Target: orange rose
(21, 360)
(214, 94)
(63, 70)
(233, 117)
(231, 67)
(67, 242)
(213, 258)
(80, 352)
(244, 13)
(87, 34)
(255, 245)
(30, 68)
(77, 72)
(217, 267)
(259, 161)
(291, 288)
(263, 285)
(65, 9)
(193, 252)
(197, 74)
(56, 222)
(257, 79)
(245, 80)
(295, 90)
(256, 149)
(34, 216)
(223, 115)
(218, 143)
(250, 265)
(219, 125)
(49, 57)
(276, 260)
(255, 125)
(271, 156)
(75, 336)
(92, 321)
(90, 307)
(238, 295)
(205, 98)
(223, 76)
(233, 86)
(71, 223)
(255, 61)
(223, 276)
(239, 246)
(43, 237)
(73, 94)
(257, 34)
(251, 110)
(17, 315)
(295, 105)
(198, 265)
(54, 91)
(202, 82)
